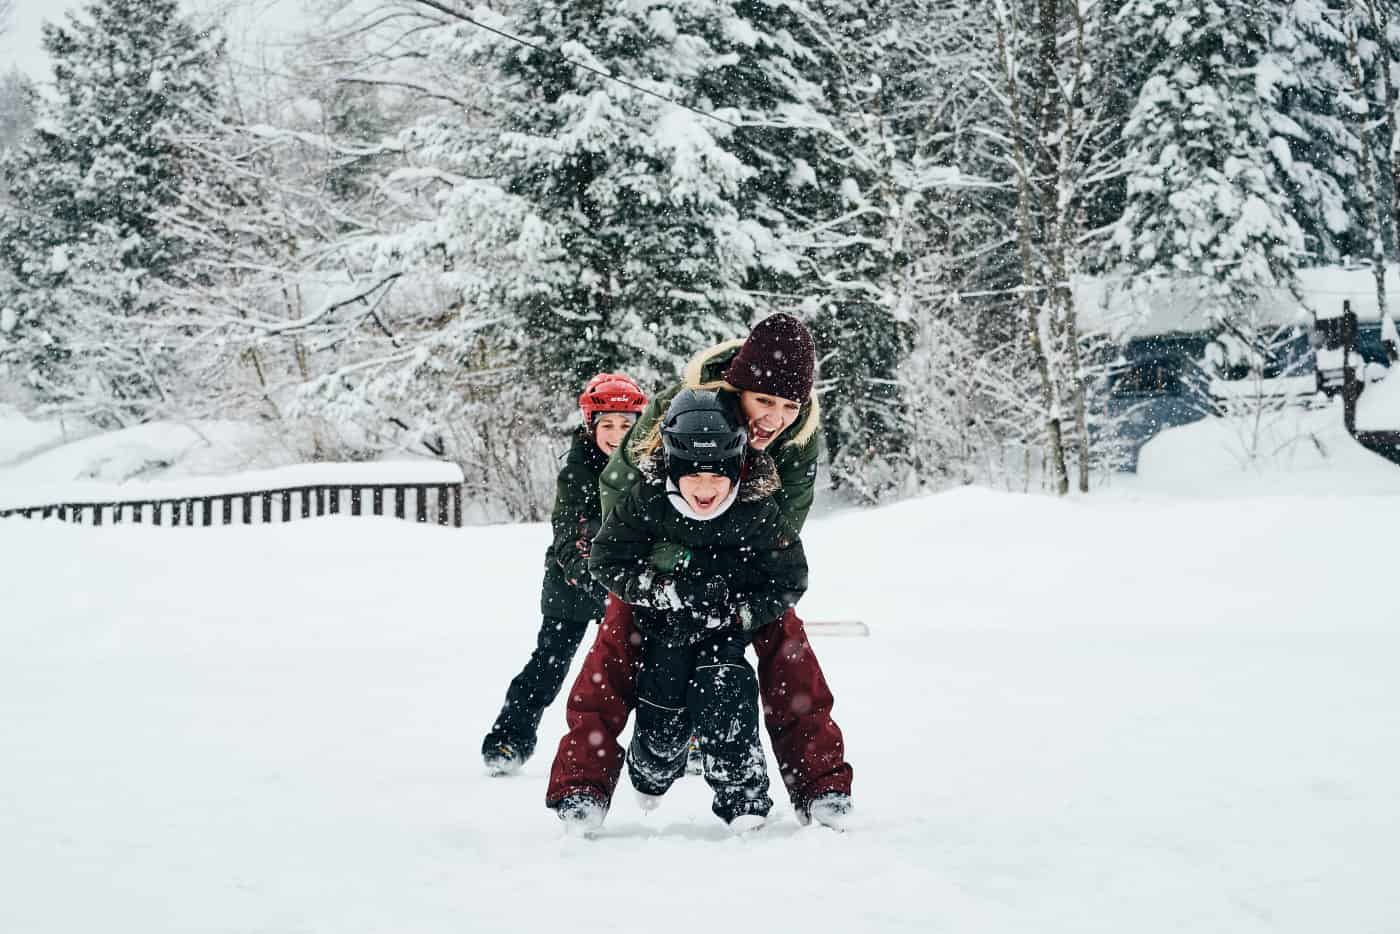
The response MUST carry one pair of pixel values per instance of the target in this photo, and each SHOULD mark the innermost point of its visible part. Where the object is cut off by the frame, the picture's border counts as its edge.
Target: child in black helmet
(704, 490)
(569, 599)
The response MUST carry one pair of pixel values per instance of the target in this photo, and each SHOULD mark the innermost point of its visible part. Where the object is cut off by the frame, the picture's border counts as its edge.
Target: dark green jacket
(569, 592)
(794, 452)
(749, 547)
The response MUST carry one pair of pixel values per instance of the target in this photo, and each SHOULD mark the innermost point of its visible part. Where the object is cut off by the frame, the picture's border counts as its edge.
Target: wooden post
(379, 501)
(305, 503)
(457, 505)
(208, 510)
(334, 494)
(1351, 386)
(399, 496)
(228, 508)
(286, 505)
(320, 501)
(356, 501)
(267, 507)
(421, 514)
(247, 509)
(441, 504)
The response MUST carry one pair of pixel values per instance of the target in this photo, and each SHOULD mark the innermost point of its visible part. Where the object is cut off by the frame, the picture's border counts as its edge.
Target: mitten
(702, 595)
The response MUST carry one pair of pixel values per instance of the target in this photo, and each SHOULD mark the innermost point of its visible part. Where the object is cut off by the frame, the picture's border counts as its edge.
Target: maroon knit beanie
(777, 359)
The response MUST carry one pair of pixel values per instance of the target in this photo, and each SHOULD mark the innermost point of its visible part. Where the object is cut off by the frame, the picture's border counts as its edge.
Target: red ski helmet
(611, 392)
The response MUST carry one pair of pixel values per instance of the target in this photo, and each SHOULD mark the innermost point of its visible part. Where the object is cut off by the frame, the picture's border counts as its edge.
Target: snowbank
(1290, 452)
(20, 436)
(170, 460)
(155, 450)
(1104, 715)
(1378, 409)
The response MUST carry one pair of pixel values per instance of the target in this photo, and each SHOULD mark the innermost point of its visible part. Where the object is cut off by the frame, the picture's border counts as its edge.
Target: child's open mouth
(761, 435)
(705, 503)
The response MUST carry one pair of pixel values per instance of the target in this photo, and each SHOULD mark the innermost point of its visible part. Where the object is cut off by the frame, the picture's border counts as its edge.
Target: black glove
(703, 596)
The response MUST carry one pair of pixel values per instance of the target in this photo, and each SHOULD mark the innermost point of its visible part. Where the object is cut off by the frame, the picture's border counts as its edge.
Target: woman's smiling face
(767, 416)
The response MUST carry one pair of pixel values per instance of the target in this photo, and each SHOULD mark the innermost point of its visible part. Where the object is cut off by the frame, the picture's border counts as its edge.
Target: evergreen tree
(654, 230)
(1207, 193)
(1316, 149)
(94, 186)
(855, 224)
(645, 237)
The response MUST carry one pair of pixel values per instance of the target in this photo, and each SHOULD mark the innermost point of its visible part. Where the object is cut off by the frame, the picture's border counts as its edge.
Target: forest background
(421, 225)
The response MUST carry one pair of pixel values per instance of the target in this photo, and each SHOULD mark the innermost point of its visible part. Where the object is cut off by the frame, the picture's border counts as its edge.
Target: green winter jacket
(749, 548)
(794, 452)
(569, 592)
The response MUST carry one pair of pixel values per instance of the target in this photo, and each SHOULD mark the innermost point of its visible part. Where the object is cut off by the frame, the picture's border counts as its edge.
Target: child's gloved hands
(706, 599)
(702, 593)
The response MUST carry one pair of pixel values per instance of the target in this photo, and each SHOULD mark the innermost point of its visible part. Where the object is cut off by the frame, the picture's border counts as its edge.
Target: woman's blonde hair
(645, 445)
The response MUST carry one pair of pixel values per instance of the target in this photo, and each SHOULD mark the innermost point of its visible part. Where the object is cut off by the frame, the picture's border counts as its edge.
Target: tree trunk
(1368, 170)
(1035, 311)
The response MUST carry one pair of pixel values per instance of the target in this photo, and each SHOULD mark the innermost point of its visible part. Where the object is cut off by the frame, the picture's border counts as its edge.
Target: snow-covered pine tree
(635, 228)
(91, 183)
(1317, 148)
(1207, 194)
(598, 225)
(853, 220)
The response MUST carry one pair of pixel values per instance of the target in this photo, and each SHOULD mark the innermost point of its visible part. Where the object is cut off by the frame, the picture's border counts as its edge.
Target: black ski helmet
(702, 432)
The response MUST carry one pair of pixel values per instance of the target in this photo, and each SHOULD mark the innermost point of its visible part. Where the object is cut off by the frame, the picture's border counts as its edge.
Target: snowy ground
(1126, 714)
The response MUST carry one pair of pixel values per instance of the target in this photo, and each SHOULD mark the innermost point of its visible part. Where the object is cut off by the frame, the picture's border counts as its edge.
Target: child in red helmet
(570, 599)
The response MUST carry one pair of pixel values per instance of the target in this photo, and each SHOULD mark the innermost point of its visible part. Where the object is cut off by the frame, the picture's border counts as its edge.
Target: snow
(1231, 390)
(155, 450)
(1284, 452)
(58, 260)
(1142, 307)
(1378, 409)
(20, 435)
(40, 466)
(1122, 713)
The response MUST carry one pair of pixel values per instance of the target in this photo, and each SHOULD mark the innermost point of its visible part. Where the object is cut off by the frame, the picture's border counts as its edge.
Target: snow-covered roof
(1139, 308)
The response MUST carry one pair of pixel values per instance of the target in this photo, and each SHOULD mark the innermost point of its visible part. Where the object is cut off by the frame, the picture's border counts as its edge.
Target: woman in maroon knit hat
(772, 372)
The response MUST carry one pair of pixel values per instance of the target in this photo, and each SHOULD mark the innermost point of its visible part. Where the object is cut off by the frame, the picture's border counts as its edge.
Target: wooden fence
(439, 503)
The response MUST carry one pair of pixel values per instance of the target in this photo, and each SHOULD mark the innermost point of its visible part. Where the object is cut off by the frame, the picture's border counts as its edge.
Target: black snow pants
(535, 688)
(708, 689)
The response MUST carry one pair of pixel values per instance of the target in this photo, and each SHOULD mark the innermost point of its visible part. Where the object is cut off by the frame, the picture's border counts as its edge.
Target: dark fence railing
(439, 503)
(1341, 334)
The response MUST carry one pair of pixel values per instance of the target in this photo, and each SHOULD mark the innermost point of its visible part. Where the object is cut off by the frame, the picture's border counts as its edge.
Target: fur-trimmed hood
(708, 366)
(759, 481)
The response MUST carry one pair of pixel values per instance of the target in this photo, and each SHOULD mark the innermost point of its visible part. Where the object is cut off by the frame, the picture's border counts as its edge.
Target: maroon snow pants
(793, 690)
